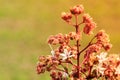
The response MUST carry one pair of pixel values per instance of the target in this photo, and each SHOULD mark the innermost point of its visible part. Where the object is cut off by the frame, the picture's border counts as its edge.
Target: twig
(89, 44)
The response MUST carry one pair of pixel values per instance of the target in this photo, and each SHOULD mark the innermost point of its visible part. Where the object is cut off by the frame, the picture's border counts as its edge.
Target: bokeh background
(25, 26)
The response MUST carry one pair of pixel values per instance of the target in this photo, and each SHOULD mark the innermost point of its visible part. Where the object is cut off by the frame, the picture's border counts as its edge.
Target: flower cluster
(107, 67)
(102, 66)
(63, 39)
(64, 63)
(89, 24)
(76, 10)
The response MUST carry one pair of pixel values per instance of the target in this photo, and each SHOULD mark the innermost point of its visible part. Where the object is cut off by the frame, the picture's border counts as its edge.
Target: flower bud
(87, 18)
(102, 37)
(53, 74)
(66, 16)
(89, 28)
(40, 68)
(76, 10)
(60, 74)
(108, 46)
(74, 35)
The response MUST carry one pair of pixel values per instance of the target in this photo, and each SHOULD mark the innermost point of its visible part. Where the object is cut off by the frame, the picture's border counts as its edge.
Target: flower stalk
(78, 45)
(64, 61)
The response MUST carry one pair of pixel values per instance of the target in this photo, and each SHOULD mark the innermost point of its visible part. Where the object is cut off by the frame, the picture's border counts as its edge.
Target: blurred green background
(25, 26)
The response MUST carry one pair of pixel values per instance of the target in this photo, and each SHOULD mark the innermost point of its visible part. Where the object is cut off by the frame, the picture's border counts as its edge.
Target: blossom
(99, 69)
(65, 55)
(89, 24)
(89, 27)
(87, 18)
(66, 16)
(117, 70)
(53, 40)
(94, 48)
(102, 37)
(107, 46)
(76, 10)
(102, 57)
(40, 68)
(74, 35)
(58, 75)
(65, 75)
(53, 74)
(58, 39)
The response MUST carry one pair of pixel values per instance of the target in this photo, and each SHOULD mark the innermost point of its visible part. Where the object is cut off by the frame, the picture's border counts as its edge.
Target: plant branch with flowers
(64, 61)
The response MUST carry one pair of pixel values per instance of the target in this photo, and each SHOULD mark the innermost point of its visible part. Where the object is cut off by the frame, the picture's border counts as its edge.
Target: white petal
(117, 70)
(65, 74)
(53, 53)
(65, 51)
(102, 57)
(71, 55)
(64, 58)
(63, 55)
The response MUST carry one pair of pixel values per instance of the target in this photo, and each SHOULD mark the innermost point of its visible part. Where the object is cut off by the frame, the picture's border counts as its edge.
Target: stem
(78, 60)
(89, 73)
(84, 48)
(89, 44)
(80, 23)
(77, 42)
(60, 69)
(78, 45)
(70, 62)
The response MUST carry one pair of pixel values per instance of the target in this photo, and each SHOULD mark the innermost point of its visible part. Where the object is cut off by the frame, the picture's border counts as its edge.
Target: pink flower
(87, 18)
(74, 35)
(53, 40)
(89, 27)
(107, 46)
(57, 39)
(40, 68)
(102, 37)
(66, 16)
(53, 74)
(76, 10)
(89, 24)
(65, 61)
(94, 48)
